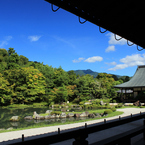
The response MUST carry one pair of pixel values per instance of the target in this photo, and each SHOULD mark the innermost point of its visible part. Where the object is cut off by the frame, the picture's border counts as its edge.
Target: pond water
(6, 114)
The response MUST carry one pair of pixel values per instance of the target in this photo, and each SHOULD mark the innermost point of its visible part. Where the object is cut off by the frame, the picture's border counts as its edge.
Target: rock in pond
(47, 117)
(76, 115)
(52, 116)
(28, 117)
(62, 115)
(57, 116)
(15, 118)
(84, 114)
(37, 116)
(48, 111)
(97, 115)
(91, 115)
(70, 115)
(16, 124)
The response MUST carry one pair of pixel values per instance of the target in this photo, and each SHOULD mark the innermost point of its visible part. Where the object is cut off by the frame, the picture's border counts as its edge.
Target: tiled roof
(138, 80)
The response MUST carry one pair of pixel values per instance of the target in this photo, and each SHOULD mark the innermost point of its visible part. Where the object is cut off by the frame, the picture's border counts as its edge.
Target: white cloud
(93, 59)
(5, 41)
(119, 66)
(113, 41)
(79, 60)
(133, 58)
(110, 48)
(90, 59)
(129, 61)
(111, 63)
(34, 38)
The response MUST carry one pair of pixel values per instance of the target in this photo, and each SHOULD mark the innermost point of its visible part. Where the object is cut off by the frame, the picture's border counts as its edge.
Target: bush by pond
(119, 105)
(108, 111)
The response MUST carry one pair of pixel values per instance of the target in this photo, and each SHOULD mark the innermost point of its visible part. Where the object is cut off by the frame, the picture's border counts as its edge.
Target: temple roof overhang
(137, 81)
(125, 19)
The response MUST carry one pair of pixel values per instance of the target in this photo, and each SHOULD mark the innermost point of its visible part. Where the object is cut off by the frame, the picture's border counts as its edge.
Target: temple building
(135, 85)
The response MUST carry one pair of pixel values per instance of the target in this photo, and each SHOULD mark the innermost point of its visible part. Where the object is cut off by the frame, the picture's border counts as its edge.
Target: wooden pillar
(80, 138)
(125, 93)
(121, 95)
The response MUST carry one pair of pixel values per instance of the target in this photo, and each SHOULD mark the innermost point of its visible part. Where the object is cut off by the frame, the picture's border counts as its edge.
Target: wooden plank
(121, 138)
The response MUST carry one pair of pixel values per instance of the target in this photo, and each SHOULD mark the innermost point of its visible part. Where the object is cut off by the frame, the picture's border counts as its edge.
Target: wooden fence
(80, 135)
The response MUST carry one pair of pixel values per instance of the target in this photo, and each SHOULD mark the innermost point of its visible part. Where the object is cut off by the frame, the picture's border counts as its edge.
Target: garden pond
(7, 113)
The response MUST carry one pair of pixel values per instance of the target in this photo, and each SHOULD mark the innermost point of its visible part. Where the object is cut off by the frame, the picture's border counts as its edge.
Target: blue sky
(58, 39)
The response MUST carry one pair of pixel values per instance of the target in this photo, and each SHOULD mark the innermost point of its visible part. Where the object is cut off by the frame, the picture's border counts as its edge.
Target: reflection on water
(6, 114)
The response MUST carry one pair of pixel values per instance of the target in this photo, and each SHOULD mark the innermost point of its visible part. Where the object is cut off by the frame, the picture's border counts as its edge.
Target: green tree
(71, 91)
(23, 60)
(13, 60)
(48, 72)
(86, 87)
(28, 84)
(58, 95)
(3, 59)
(61, 77)
(124, 78)
(5, 91)
(106, 85)
(72, 77)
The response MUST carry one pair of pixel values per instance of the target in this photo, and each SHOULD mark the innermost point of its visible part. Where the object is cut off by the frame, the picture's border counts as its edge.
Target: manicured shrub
(56, 106)
(113, 109)
(96, 102)
(95, 106)
(108, 107)
(107, 104)
(119, 105)
(81, 103)
(108, 111)
(114, 101)
(56, 112)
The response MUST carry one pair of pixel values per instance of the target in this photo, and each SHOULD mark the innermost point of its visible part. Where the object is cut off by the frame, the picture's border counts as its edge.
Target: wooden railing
(80, 135)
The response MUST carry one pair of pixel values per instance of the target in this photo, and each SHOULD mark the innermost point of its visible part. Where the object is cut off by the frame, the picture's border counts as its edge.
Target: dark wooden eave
(124, 18)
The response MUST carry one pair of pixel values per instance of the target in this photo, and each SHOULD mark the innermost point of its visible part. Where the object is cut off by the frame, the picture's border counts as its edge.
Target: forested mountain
(24, 82)
(95, 74)
(84, 72)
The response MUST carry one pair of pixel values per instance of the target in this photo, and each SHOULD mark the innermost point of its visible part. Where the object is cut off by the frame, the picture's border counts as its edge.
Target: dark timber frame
(124, 18)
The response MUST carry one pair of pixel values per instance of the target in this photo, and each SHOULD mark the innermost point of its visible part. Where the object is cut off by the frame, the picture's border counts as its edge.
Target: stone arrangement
(62, 115)
(55, 116)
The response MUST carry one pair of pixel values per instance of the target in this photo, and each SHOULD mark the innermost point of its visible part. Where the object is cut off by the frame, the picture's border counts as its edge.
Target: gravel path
(15, 136)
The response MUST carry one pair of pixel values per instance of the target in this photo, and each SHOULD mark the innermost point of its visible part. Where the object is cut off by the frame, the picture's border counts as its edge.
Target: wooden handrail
(81, 134)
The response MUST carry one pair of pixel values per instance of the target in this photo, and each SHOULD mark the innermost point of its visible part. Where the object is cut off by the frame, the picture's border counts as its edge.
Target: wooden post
(80, 138)
(104, 120)
(144, 130)
(22, 137)
(85, 125)
(119, 117)
(58, 130)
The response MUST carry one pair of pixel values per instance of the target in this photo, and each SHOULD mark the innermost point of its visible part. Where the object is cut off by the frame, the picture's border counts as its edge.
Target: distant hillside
(90, 72)
(84, 72)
